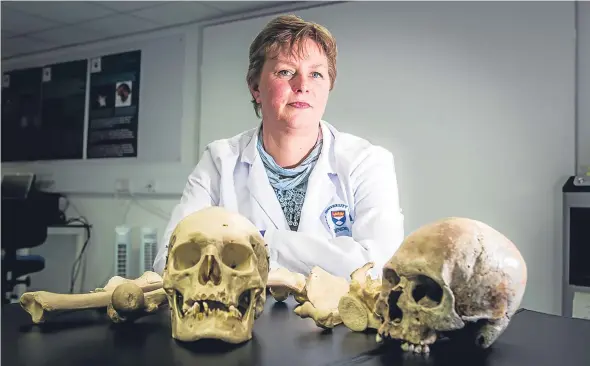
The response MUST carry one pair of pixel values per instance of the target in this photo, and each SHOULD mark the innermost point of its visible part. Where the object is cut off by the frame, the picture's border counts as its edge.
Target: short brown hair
(288, 30)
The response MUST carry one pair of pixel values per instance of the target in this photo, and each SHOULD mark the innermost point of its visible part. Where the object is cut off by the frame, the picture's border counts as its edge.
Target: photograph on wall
(114, 105)
(21, 115)
(123, 94)
(63, 110)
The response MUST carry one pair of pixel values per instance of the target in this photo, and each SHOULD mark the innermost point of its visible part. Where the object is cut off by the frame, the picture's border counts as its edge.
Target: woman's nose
(300, 84)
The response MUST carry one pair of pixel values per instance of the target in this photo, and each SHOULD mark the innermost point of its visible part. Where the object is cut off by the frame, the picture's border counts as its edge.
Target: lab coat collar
(327, 156)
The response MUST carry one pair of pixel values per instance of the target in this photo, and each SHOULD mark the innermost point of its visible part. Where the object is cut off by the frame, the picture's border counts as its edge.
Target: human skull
(455, 274)
(215, 276)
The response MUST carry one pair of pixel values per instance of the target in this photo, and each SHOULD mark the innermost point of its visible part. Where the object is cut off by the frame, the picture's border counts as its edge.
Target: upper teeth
(202, 309)
(416, 348)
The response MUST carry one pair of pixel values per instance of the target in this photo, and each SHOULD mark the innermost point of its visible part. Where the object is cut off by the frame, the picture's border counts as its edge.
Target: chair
(23, 226)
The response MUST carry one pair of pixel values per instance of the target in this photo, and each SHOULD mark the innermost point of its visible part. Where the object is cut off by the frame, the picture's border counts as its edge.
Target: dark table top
(281, 338)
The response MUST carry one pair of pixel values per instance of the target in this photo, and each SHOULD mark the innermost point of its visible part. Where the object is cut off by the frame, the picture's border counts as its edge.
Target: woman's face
(293, 90)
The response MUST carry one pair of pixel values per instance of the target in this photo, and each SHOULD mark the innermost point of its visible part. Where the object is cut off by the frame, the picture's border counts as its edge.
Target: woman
(319, 197)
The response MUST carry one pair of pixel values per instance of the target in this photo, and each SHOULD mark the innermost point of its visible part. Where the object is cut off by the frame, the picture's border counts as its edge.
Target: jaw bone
(214, 316)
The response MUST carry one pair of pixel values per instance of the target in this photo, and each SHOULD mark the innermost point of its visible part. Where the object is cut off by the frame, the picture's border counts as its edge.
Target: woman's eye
(317, 75)
(285, 73)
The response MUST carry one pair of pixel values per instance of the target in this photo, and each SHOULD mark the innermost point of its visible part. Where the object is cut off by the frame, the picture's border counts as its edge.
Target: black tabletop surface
(281, 338)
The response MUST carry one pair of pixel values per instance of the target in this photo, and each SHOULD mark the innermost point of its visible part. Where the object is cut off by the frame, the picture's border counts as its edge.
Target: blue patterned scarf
(286, 179)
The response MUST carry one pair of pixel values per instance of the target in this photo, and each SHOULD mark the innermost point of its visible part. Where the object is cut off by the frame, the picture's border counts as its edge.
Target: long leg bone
(39, 303)
(129, 302)
(147, 278)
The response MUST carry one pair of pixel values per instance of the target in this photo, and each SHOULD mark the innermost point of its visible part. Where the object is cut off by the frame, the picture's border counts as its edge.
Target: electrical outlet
(122, 185)
(150, 186)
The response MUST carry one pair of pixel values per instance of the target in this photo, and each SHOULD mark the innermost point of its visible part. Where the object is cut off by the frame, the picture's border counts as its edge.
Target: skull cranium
(446, 275)
(215, 276)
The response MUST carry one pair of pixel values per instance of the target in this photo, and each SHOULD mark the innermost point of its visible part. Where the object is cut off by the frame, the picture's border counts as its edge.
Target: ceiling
(34, 26)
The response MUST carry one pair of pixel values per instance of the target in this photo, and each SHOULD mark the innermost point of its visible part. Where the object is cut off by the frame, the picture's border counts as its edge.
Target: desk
(281, 338)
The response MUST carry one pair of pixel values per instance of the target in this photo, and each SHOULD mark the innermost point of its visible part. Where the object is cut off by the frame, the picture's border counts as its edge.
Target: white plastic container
(122, 251)
(148, 249)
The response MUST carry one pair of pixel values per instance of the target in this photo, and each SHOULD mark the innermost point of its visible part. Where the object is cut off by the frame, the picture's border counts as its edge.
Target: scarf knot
(286, 179)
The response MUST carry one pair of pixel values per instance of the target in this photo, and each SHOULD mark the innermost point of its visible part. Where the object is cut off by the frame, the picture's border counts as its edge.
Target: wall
(167, 117)
(583, 69)
(476, 100)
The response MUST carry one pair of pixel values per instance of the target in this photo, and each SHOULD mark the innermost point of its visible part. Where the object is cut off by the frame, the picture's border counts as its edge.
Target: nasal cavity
(210, 271)
(395, 313)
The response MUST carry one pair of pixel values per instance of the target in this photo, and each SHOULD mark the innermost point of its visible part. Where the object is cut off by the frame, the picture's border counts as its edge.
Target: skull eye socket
(426, 292)
(186, 256)
(236, 256)
(391, 276)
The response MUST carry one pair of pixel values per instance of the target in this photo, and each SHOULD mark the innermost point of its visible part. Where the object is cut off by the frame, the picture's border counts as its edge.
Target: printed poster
(43, 112)
(21, 114)
(63, 103)
(114, 105)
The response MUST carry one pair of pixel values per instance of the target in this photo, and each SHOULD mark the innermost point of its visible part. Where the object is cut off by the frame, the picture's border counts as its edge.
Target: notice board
(80, 109)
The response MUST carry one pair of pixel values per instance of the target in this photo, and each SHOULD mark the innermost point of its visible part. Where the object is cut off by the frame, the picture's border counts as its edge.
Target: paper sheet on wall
(581, 307)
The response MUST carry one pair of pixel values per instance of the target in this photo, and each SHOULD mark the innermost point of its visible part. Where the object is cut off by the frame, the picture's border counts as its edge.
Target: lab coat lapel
(264, 195)
(261, 191)
(320, 188)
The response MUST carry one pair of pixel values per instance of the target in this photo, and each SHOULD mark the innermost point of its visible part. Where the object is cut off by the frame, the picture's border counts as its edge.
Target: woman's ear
(255, 93)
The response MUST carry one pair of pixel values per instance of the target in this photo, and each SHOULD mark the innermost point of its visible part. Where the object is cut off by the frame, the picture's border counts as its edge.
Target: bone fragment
(360, 275)
(280, 294)
(324, 290)
(39, 303)
(357, 307)
(323, 318)
(322, 295)
(283, 282)
(129, 302)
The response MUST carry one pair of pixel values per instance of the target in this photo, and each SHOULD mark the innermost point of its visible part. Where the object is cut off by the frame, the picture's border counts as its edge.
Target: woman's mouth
(300, 105)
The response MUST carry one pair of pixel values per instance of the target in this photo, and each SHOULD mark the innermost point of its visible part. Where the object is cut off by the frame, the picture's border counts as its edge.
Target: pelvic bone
(322, 294)
(215, 276)
(356, 308)
(330, 300)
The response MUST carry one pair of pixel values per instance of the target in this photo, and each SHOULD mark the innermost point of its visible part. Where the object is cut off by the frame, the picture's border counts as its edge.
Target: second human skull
(446, 275)
(215, 276)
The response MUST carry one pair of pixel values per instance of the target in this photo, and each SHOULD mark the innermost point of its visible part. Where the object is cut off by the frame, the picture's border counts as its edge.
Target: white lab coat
(351, 214)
